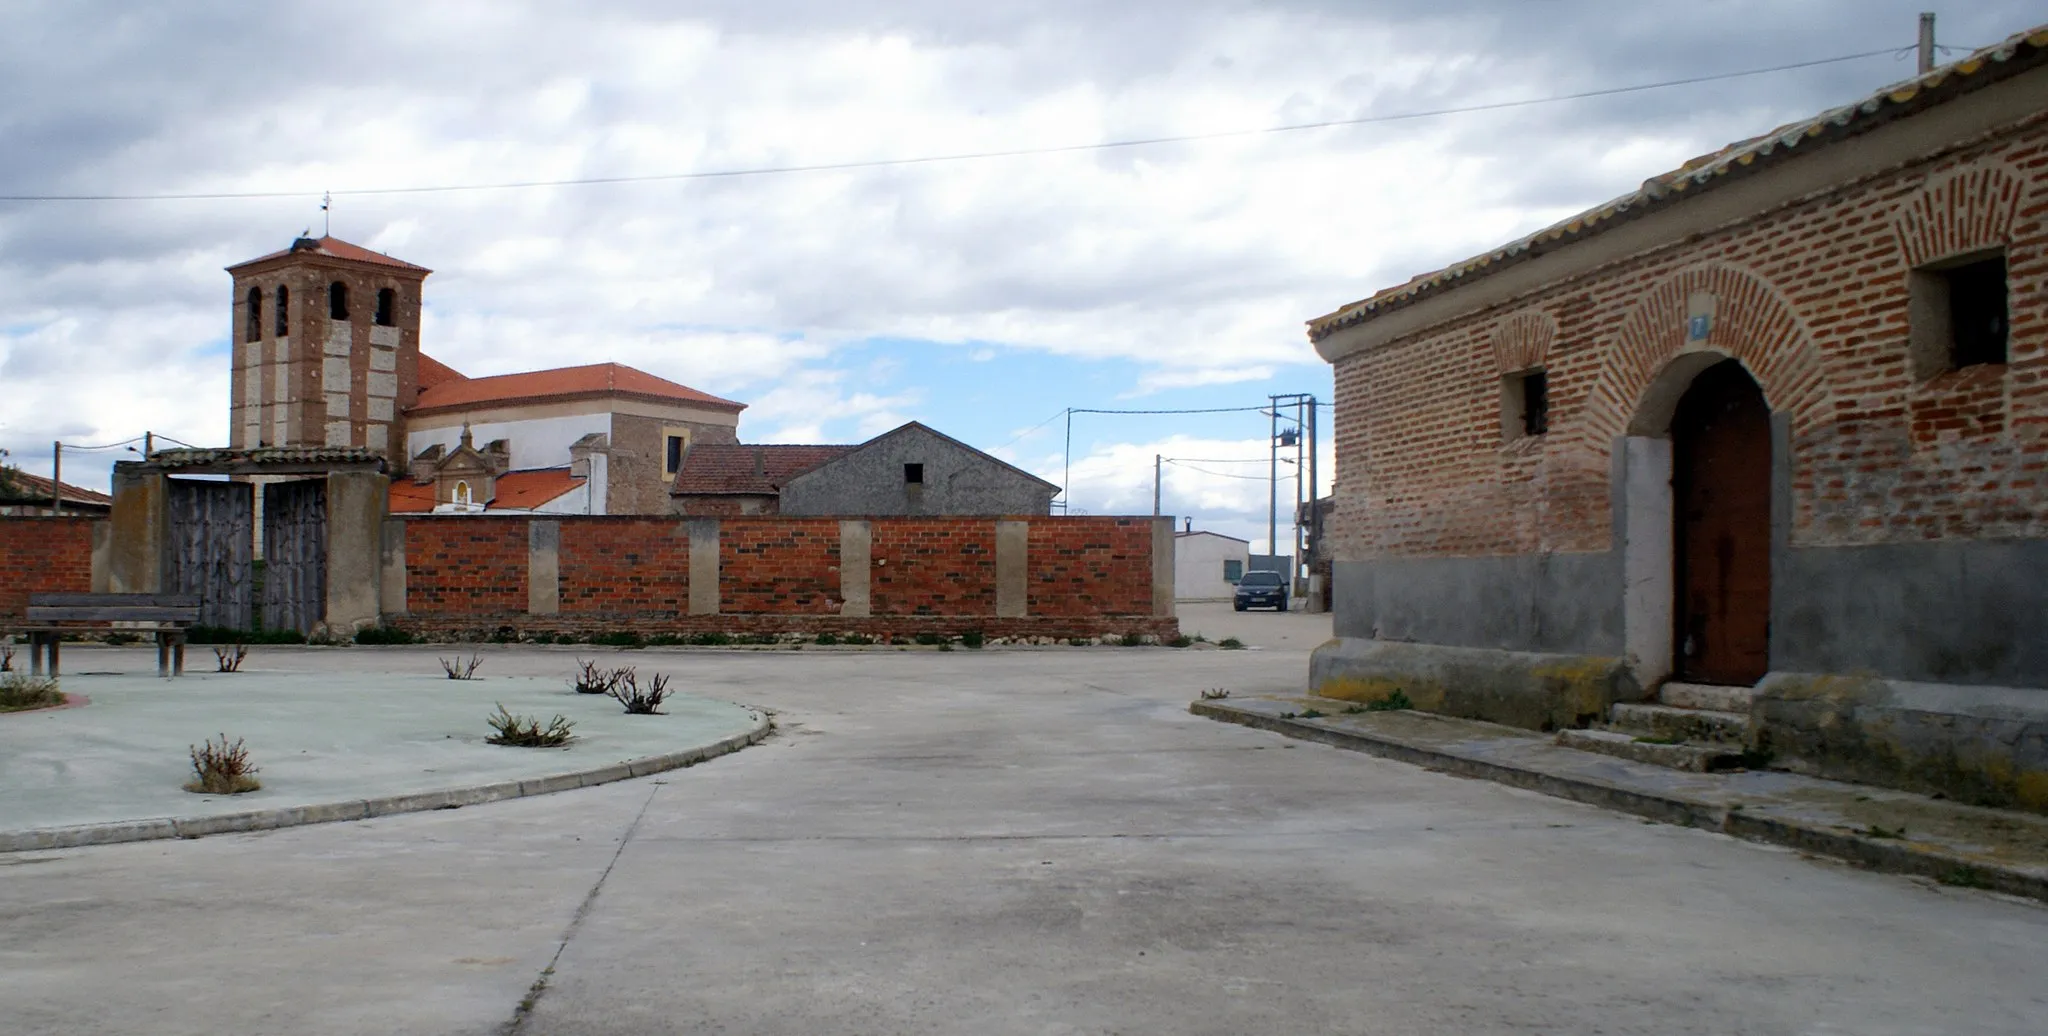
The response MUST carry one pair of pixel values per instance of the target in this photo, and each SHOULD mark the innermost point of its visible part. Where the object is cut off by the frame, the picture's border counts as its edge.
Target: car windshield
(1261, 579)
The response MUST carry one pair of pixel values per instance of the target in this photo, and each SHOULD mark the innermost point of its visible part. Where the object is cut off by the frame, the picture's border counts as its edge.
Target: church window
(387, 307)
(462, 494)
(255, 316)
(284, 310)
(337, 301)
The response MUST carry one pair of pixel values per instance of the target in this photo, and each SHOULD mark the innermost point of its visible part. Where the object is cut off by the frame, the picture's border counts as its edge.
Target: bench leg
(163, 655)
(35, 654)
(178, 654)
(55, 639)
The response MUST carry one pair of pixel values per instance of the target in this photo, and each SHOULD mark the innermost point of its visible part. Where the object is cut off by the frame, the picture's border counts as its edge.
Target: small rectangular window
(674, 461)
(913, 474)
(1524, 405)
(1233, 571)
(1957, 309)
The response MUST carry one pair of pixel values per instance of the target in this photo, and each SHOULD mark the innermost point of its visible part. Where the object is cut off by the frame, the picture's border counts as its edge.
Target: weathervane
(326, 218)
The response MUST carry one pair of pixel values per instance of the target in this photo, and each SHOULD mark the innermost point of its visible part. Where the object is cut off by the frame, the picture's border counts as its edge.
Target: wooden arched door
(1721, 483)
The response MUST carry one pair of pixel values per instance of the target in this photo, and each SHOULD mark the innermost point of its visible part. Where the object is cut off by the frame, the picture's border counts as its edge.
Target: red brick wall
(1812, 297)
(932, 566)
(466, 566)
(625, 565)
(42, 555)
(1090, 567)
(778, 565)
(1088, 576)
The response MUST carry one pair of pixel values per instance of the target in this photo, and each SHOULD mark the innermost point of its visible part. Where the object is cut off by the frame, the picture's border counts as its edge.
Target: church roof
(433, 372)
(335, 248)
(515, 491)
(597, 379)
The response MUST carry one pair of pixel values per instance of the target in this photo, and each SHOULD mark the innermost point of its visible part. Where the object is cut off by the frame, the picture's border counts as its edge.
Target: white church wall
(539, 442)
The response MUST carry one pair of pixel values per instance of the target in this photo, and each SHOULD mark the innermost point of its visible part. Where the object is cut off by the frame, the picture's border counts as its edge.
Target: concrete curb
(363, 809)
(1893, 856)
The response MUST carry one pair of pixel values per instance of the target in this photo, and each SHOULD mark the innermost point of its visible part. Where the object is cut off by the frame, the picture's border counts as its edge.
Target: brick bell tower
(327, 348)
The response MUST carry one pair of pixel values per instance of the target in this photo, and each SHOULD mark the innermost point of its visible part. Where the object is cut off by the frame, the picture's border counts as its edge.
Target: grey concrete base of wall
(1983, 745)
(1517, 688)
(364, 809)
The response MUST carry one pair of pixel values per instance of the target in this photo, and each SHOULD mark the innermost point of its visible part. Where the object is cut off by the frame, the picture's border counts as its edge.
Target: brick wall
(1812, 297)
(42, 555)
(1087, 576)
(469, 567)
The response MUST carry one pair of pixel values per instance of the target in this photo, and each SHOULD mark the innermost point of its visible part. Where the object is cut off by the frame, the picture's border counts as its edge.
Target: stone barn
(1765, 439)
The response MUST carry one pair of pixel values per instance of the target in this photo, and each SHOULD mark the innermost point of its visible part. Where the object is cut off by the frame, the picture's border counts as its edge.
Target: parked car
(1261, 590)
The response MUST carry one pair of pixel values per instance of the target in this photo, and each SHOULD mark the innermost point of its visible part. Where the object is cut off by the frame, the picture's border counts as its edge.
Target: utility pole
(1926, 42)
(1273, 478)
(56, 478)
(1155, 485)
(148, 444)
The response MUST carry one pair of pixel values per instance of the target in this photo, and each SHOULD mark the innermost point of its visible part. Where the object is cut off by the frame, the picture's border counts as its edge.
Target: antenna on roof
(326, 217)
(1926, 42)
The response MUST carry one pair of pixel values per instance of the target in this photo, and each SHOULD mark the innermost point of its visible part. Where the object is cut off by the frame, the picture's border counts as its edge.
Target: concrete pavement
(1003, 842)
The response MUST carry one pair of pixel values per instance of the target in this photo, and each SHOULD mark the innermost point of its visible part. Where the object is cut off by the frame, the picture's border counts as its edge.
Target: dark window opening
(387, 307)
(284, 311)
(1233, 571)
(254, 322)
(1535, 403)
(913, 474)
(1977, 312)
(337, 301)
(674, 462)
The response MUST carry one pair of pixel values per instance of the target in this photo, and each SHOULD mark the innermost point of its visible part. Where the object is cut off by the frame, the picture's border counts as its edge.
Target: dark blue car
(1261, 590)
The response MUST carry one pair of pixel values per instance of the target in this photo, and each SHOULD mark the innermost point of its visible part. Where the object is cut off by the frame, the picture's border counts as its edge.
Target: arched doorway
(1721, 528)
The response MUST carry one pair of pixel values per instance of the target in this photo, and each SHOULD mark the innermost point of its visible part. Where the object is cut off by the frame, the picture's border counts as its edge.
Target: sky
(985, 297)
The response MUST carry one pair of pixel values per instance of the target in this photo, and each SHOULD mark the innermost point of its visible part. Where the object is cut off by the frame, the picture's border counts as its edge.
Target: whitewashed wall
(1198, 565)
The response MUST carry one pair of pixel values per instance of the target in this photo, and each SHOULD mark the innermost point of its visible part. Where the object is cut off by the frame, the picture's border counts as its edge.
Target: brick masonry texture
(42, 555)
(1811, 297)
(1088, 576)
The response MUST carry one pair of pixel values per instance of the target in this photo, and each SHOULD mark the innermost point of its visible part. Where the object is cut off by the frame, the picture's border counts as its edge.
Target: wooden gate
(1721, 460)
(210, 549)
(295, 555)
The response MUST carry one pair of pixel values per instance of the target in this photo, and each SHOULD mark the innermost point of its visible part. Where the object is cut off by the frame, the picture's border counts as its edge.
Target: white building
(1207, 565)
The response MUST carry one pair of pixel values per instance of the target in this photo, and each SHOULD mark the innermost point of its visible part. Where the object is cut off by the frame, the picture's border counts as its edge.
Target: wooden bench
(50, 616)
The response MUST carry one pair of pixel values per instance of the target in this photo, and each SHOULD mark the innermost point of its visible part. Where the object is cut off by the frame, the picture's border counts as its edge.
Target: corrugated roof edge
(1746, 157)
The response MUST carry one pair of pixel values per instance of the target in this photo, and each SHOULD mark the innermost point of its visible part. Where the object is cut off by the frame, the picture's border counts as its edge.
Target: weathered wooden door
(211, 548)
(295, 554)
(1721, 460)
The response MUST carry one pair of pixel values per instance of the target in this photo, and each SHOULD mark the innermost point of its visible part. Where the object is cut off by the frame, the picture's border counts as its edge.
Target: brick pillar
(856, 562)
(136, 557)
(543, 568)
(703, 565)
(1013, 569)
(355, 549)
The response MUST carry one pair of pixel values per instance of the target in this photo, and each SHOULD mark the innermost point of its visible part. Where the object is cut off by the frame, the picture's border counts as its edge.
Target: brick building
(1775, 421)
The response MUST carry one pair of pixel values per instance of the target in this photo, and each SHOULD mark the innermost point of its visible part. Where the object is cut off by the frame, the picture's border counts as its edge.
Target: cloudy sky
(981, 296)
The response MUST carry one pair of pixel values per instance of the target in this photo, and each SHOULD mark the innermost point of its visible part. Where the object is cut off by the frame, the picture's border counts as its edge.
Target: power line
(1210, 410)
(1033, 428)
(879, 163)
(1225, 474)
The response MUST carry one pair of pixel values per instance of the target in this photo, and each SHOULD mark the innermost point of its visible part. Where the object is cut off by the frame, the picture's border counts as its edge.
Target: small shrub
(973, 639)
(566, 637)
(460, 668)
(620, 639)
(383, 635)
(1965, 878)
(626, 691)
(596, 679)
(1230, 644)
(930, 639)
(1353, 710)
(21, 691)
(1394, 702)
(222, 769)
(711, 638)
(1132, 640)
(1311, 714)
(664, 640)
(1215, 694)
(526, 731)
(858, 638)
(6, 658)
(828, 639)
(229, 659)
(1181, 641)
(760, 638)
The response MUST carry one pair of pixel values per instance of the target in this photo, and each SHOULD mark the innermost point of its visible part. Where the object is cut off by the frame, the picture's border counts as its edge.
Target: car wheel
(1282, 606)
(1238, 605)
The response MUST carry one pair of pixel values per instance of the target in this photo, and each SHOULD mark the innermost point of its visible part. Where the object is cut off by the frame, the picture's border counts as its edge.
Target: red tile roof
(2016, 54)
(597, 379)
(516, 491)
(38, 488)
(336, 248)
(754, 470)
(433, 372)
